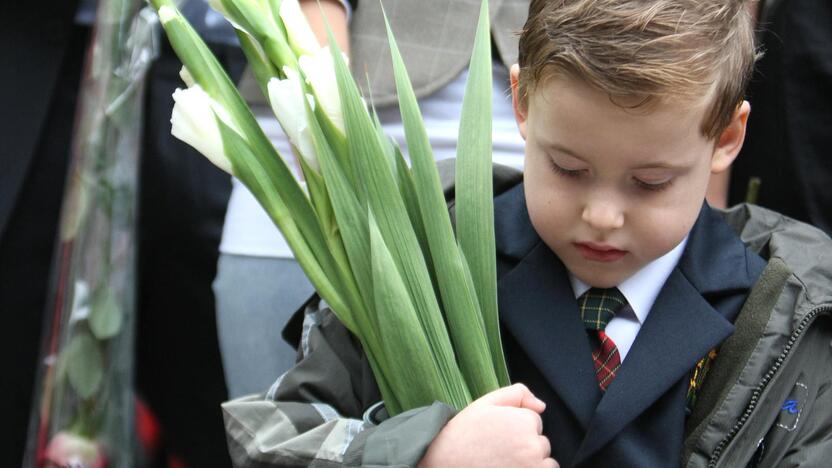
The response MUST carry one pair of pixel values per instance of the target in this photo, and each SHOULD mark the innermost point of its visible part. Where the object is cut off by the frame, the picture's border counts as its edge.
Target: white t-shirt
(249, 231)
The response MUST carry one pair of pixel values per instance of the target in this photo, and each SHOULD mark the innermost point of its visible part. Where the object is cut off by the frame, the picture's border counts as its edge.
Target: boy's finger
(532, 418)
(545, 446)
(517, 395)
(538, 423)
(550, 463)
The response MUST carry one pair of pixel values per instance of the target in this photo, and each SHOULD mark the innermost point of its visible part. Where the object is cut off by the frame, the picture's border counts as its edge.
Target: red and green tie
(598, 306)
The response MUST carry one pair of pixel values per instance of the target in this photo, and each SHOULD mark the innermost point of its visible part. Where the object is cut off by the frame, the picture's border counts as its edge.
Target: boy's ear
(729, 143)
(519, 109)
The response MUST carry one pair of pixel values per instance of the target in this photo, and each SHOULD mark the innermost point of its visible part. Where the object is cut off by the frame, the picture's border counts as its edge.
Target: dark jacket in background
(789, 140)
(41, 52)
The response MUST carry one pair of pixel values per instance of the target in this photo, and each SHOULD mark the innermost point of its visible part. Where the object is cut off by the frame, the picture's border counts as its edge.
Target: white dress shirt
(641, 291)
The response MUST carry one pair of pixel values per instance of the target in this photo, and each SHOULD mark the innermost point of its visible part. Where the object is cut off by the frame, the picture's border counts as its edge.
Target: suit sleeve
(325, 411)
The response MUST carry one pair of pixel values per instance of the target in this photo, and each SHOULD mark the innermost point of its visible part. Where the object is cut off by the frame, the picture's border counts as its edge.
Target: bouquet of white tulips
(372, 233)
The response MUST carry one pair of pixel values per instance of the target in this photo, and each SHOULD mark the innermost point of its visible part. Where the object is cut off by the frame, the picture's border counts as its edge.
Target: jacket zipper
(755, 396)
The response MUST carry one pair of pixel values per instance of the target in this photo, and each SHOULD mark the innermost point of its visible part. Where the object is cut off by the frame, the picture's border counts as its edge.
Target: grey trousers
(255, 297)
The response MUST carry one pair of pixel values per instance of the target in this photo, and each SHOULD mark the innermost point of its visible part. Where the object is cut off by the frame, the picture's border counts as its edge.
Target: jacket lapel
(683, 326)
(539, 309)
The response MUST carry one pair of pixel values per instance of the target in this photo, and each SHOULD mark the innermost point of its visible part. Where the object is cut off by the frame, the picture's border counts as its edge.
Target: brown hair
(644, 49)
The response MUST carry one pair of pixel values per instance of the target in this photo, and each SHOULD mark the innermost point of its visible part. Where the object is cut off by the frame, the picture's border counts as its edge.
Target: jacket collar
(538, 308)
(715, 260)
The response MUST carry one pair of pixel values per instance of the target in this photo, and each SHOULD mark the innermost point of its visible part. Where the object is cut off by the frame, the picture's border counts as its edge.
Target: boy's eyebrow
(563, 149)
(660, 165)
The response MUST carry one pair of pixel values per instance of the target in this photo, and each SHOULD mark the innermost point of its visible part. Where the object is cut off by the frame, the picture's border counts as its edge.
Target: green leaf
(382, 194)
(388, 146)
(349, 212)
(310, 250)
(336, 139)
(105, 317)
(416, 376)
(320, 199)
(85, 365)
(274, 7)
(279, 52)
(458, 299)
(474, 191)
(230, 10)
(257, 19)
(261, 67)
(410, 195)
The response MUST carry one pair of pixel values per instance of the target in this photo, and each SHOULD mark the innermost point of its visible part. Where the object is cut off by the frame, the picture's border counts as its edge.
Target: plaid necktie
(598, 306)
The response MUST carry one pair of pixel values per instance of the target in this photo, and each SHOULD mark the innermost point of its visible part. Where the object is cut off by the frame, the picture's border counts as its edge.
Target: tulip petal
(193, 121)
(300, 35)
(286, 98)
(319, 70)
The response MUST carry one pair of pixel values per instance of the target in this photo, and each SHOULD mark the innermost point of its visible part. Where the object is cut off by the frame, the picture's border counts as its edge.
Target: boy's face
(610, 189)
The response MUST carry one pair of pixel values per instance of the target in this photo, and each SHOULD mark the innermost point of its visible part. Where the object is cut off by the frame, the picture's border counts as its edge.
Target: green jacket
(767, 400)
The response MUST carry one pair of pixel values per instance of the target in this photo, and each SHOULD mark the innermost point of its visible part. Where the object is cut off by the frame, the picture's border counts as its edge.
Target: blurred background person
(182, 205)
(41, 54)
(789, 137)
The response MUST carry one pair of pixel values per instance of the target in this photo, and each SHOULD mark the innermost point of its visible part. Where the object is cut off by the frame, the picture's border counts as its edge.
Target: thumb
(517, 396)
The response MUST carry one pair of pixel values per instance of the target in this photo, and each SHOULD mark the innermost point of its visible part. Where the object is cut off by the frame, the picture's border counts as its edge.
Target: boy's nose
(603, 216)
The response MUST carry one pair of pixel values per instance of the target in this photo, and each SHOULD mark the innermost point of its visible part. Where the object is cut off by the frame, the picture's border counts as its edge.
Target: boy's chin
(606, 276)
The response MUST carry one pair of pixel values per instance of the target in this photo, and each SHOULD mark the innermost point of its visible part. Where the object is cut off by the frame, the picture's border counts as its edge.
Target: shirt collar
(642, 288)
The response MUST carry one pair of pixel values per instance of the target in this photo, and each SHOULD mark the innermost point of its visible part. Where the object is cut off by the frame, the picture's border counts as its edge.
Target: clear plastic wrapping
(84, 406)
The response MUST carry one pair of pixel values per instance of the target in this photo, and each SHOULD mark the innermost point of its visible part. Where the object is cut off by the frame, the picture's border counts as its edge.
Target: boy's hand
(502, 428)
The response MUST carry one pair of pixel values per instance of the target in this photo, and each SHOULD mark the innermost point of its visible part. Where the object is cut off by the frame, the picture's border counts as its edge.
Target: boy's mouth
(599, 252)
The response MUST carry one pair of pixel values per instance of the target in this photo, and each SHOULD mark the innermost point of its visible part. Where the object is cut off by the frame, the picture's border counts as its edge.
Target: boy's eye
(565, 172)
(653, 186)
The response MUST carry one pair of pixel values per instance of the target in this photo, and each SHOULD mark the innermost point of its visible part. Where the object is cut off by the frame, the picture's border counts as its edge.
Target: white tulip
(320, 72)
(300, 35)
(286, 98)
(194, 122)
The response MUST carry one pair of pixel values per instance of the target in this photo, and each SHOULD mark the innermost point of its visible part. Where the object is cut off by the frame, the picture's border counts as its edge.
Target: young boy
(646, 329)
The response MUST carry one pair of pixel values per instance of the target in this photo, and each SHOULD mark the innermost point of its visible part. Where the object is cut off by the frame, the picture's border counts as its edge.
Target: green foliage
(105, 314)
(474, 201)
(84, 365)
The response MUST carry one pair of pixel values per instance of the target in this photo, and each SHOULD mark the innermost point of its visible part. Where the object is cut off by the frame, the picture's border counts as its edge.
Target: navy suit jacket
(640, 419)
